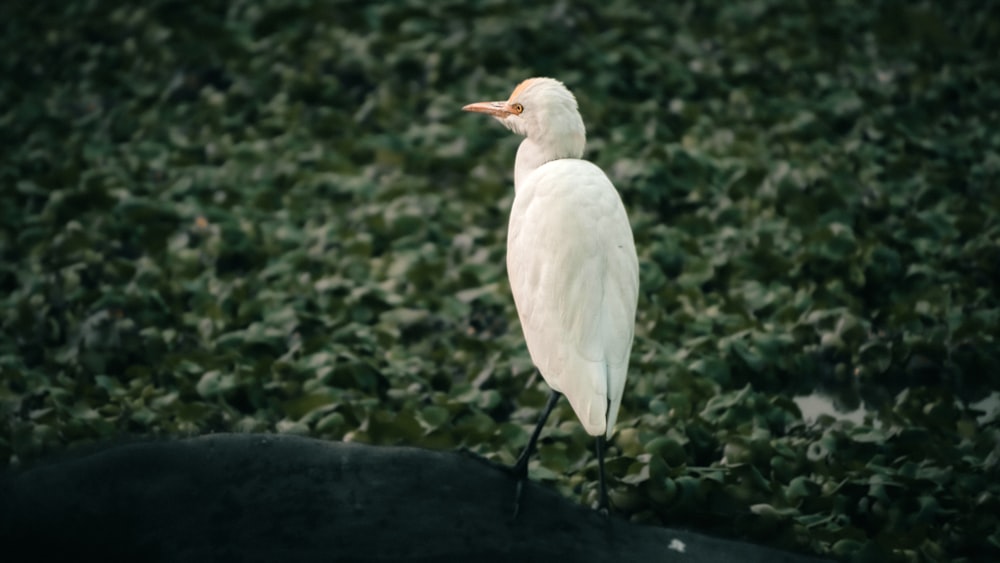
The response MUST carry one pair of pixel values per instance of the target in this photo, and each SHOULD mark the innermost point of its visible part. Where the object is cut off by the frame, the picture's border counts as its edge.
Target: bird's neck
(529, 157)
(532, 154)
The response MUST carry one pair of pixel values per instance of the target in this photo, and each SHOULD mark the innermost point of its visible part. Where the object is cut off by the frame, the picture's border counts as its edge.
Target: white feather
(574, 275)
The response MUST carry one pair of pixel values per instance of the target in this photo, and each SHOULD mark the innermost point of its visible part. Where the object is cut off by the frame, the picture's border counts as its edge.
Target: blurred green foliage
(271, 216)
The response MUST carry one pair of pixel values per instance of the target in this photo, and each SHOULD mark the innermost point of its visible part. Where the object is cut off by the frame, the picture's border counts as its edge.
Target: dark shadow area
(253, 497)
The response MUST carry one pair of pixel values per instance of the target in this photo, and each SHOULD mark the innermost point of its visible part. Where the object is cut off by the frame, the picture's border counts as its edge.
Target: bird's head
(543, 110)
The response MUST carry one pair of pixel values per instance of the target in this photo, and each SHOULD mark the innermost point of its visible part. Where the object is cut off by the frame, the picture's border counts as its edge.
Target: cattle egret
(571, 261)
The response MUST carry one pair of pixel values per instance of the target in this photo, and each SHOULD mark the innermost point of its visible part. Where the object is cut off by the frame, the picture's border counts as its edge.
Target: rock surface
(252, 497)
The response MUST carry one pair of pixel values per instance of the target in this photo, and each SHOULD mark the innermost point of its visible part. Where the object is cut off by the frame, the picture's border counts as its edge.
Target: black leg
(602, 504)
(520, 468)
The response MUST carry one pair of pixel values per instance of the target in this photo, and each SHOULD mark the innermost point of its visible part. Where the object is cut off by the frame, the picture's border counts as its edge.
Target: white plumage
(570, 254)
(574, 276)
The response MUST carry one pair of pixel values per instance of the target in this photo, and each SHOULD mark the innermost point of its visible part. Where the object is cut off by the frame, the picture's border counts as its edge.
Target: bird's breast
(569, 178)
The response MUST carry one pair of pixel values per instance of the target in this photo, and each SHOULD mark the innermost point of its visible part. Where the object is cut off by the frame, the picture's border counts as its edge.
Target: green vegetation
(272, 216)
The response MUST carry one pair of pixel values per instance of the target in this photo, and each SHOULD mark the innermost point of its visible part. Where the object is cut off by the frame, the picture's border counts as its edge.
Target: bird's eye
(518, 108)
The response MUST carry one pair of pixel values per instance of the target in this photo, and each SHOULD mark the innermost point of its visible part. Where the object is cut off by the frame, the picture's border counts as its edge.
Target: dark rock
(242, 497)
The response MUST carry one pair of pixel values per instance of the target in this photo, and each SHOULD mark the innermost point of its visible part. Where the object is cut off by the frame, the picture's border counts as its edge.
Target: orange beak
(496, 109)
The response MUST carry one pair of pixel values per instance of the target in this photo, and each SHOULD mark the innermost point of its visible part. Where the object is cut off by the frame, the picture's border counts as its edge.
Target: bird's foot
(604, 511)
(517, 499)
(519, 471)
(603, 504)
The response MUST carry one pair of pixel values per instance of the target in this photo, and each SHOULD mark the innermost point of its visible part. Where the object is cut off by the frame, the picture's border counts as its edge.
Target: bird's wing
(575, 280)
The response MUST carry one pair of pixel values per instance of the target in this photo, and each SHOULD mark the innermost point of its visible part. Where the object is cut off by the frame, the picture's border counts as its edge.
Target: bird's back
(575, 278)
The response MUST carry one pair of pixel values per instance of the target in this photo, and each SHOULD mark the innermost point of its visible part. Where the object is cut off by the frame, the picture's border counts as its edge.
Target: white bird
(571, 261)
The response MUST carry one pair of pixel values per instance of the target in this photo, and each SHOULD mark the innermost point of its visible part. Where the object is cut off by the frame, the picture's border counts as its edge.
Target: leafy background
(271, 216)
